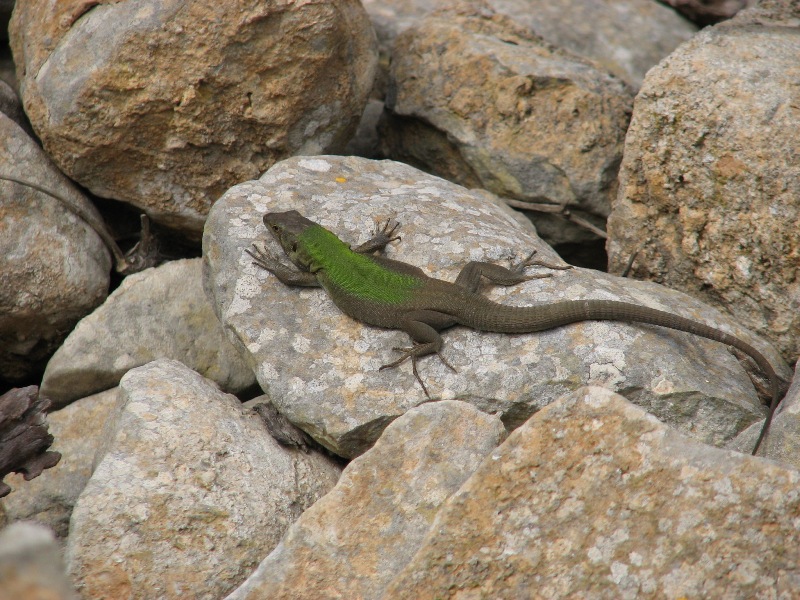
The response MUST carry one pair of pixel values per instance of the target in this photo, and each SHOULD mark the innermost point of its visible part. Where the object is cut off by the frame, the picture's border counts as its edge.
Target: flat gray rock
(321, 368)
(158, 313)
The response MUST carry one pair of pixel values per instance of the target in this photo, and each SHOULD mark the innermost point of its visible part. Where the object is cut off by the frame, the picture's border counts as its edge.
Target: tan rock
(49, 498)
(594, 499)
(190, 494)
(158, 313)
(351, 543)
(165, 104)
(31, 566)
(711, 175)
(482, 102)
(54, 269)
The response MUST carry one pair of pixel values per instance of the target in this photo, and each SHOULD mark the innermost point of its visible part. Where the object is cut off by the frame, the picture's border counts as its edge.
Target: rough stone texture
(11, 106)
(594, 499)
(190, 494)
(158, 313)
(352, 542)
(783, 442)
(49, 498)
(705, 12)
(54, 269)
(482, 102)
(31, 567)
(711, 175)
(626, 37)
(165, 104)
(321, 368)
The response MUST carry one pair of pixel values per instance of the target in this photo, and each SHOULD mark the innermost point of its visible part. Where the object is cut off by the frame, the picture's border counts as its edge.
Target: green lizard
(388, 293)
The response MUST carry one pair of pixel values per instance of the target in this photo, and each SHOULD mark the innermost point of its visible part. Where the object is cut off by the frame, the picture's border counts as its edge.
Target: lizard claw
(386, 231)
(261, 256)
(414, 356)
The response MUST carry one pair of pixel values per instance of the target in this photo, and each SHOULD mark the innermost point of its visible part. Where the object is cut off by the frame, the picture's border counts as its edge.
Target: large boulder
(711, 175)
(165, 103)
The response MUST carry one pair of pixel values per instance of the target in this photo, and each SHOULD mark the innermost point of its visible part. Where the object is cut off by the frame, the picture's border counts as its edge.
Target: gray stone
(711, 175)
(351, 543)
(49, 498)
(321, 368)
(595, 499)
(158, 313)
(189, 494)
(54, 268)
(782, 444)
(479, 100)
(31, 567)
(165, 104)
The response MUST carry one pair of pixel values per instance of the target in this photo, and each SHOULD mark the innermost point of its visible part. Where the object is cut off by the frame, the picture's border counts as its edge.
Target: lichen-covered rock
(165, 103)
(49, 498)
(595, 499)
(482, 102)
(158, 313)
(189, 494)
(352, 542)
(54, 269)
(321, 368)
(711, 175)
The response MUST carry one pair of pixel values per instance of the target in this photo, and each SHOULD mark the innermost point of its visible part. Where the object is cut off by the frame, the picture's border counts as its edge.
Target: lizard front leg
(423, 326)
(262, 258)
(470, 276)
(380, 239)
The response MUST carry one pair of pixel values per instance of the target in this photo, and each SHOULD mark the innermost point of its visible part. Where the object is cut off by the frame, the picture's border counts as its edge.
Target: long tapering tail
(511, 319)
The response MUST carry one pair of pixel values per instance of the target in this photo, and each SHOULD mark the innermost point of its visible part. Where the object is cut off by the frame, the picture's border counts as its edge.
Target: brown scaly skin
(387, 293)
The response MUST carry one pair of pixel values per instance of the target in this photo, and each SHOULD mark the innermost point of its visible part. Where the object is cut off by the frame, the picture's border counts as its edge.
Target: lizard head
(286, 228)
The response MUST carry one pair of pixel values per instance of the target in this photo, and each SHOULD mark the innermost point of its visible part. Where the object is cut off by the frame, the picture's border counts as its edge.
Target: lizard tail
(508, 319)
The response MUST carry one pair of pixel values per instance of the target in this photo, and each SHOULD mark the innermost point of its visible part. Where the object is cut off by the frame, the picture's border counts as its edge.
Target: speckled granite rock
(595, 499)
(711, 175)
(190, 492)
(352, 542)
(321, 368)
(158, 313)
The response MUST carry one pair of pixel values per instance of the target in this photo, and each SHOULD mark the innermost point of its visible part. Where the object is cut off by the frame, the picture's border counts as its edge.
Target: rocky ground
(597, 460)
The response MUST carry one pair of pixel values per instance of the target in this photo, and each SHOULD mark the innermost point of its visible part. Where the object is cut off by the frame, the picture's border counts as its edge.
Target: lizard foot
(261, 257)
(386, 232)
(528, 261)
(414, 355)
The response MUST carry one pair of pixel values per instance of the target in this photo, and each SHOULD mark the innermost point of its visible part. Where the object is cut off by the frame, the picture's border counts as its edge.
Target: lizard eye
(294, 246)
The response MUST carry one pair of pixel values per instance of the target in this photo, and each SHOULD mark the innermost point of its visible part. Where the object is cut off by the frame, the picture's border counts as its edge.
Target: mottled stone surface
(321, 368)
(49, 498)
(31, 567)
(54, 268)
(481, 101)
(783, 441)
(189, 494)
(595, 499)
(351, 543)
(158, 313)
(711, 175)
(165, 104)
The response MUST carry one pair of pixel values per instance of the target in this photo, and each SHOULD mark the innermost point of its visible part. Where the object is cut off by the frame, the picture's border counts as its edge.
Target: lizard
(391, 294)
